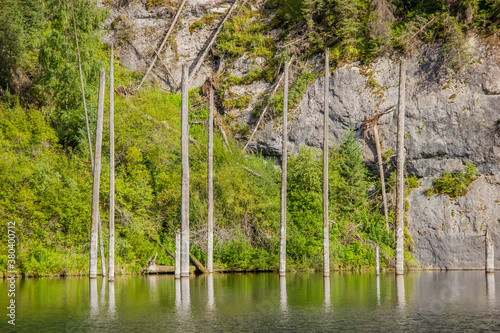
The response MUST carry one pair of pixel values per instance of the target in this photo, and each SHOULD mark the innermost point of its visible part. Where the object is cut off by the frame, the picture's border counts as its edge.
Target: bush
(454, 184)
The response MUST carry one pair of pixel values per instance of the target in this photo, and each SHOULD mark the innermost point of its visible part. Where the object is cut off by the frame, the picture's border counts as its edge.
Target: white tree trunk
(101, 247)
(210, 184)
(96, 178)
(111, 252)
(377, 261)
(490, 253)
(326, 223)
(400, 172)
(177, 273)
(185, 175)
(282, 266)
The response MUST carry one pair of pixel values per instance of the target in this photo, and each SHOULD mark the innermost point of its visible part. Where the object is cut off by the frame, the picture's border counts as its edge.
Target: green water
(303, 302)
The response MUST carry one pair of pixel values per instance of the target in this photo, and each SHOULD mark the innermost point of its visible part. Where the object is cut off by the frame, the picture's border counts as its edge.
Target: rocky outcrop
(138, 27)
(450, 117)
(449, 233)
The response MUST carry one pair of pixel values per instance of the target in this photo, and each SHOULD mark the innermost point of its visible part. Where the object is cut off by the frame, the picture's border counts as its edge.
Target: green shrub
(241, 102)
(454, 184)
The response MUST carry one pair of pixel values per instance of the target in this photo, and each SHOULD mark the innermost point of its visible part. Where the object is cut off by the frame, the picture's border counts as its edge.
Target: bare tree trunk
(490, 253)
(101, 246)
(400, 172)
(185, 175)
(282, 267)
(196, 263)
(210, 185)
(326, 224)
(96, 179)
(177, 273)
(377, 260)
(111, 254)
(172, 25)
(103, 265)
(381, 172)
(214, 37)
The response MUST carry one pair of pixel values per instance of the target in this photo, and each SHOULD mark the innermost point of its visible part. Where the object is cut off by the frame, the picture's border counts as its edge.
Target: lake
(302, 302)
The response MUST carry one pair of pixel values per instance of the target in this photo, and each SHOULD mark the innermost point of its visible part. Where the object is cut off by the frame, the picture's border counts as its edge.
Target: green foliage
(348, 178)
(245, 33)
(356, 227)
(38, 58)
(295, 93)
(205, 20)
(241, 102)
(454, 184)
(387, 155)
(287, 12)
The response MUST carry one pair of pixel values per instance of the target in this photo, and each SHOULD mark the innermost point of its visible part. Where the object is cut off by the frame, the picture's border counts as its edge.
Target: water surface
(302, 302)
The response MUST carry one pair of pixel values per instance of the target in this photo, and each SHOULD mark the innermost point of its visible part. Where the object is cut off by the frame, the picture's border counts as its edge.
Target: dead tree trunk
(172, 25)
(370, 124)
(210, 183)
(400, 172)
(111, 252)
(212, 40)
(177, 257)
(326, 225)
(185, 175)
(490, 253)
(196, 263)
(377, 260)
(103, 265)
(101, 247)
(381, 172)
(96, 179)
(282, 266)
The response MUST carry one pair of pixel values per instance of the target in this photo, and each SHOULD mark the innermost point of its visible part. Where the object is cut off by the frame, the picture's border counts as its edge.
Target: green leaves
(454, 184)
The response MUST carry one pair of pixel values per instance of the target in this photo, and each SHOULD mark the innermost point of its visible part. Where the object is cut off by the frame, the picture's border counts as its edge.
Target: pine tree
(348, 178)
(12, 40)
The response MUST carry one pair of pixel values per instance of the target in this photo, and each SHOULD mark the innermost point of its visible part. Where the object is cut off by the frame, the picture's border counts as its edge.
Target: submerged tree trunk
(400, 172)
(381, 172)
(210, 183)
(96, 179)
(185, 175)
(89, 140)
(326, 223)
(177, 257)
(282, 266)
(490, 253)
(101, 247)
(111, 252)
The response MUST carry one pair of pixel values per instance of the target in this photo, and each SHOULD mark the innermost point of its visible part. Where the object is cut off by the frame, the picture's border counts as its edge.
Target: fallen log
(196, 263)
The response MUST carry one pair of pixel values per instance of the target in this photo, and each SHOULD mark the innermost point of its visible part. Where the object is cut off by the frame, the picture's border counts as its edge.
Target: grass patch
(454, 184)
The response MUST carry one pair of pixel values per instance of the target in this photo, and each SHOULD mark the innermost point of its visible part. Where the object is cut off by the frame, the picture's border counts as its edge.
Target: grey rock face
(450, 118)
(448, 233)
(147, 28)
